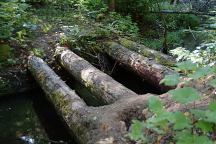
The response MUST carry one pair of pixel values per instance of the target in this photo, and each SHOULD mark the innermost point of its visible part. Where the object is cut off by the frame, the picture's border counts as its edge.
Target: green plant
(123, 25)
(205, 54)
(46, 28)
(12, 15)
(192, 126)
(38, 52)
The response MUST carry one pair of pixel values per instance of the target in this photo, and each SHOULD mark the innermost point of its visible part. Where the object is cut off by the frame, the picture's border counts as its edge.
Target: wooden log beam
(146, 68)
(147, 52)
(67, 103)
(52, 84)
(90, 125)
(102, 85)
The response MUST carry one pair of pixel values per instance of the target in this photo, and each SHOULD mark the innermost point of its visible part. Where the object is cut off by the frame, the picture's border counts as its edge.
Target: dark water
(19, 122)
(31, 119)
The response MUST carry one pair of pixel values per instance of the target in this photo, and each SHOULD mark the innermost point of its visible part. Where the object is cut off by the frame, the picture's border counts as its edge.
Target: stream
(30, 119)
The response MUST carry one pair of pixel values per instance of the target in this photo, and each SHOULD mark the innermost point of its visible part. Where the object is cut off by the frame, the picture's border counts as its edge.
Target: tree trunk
(92, 125)
(146, 68)
(102, 85)
(147, 52)
(112, 5)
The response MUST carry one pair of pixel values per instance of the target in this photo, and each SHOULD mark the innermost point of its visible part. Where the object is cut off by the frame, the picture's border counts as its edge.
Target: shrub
(12, 16)
(191, 126)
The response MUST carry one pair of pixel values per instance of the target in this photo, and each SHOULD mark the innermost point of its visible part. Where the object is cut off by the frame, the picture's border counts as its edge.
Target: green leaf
(185, 95)
(202, 140)
(199, 114)
(212, 106)
(181, 121)
(171, 80)
(202, 72)
(185, 137)
(186, 65)
(213, 83)
(154, 128)
(162, 120)
(211, 116)
(204, 126)
(137, 130)
(155, 105)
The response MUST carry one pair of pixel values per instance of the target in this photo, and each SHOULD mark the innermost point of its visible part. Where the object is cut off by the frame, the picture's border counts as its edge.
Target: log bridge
(107, 124)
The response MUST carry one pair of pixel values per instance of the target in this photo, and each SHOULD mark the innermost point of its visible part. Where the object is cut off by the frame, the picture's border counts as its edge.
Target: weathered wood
(102, 85)
(90, 125)
(147, 52)
(146, 68)
(70, 106)
(53, 85)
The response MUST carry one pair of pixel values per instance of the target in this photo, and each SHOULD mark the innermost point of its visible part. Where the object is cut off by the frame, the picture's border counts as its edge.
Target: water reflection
(31, 119)
(18, 121)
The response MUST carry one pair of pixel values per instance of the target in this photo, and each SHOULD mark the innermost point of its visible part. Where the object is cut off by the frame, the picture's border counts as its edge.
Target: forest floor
(80, 32)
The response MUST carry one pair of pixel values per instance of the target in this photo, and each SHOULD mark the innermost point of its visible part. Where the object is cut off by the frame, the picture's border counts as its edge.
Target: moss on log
(68, 104)
(91, 125)
(146, 68)
(147, 52)
(102, 85)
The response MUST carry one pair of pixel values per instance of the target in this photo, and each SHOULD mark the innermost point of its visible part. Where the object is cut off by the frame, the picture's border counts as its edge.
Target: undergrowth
(190, 126)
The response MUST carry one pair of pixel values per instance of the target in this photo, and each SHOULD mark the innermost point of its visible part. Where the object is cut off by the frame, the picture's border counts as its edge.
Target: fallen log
(102, 85)
(147, 52)
(65, 100)
(146, 68)
(90, 125)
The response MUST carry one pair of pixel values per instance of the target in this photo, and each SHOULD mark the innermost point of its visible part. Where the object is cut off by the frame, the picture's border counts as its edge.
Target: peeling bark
(102, 85)
(147, 52)
(146, 68)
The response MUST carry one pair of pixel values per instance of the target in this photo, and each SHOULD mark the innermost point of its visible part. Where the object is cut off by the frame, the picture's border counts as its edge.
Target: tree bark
(102, 85)
(146, 68)
(92, 125)
(147, 52)
(112, 5)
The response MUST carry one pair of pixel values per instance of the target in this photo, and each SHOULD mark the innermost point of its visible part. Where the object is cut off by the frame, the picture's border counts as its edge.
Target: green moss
(61, 102)
(126, 43)
(158, 58)
(5, 52)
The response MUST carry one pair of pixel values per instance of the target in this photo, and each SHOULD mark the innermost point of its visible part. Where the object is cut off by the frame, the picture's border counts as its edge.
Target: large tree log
(147, 52)
(65, 100)
(102, 85)
(90, 125)
(146, 68)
